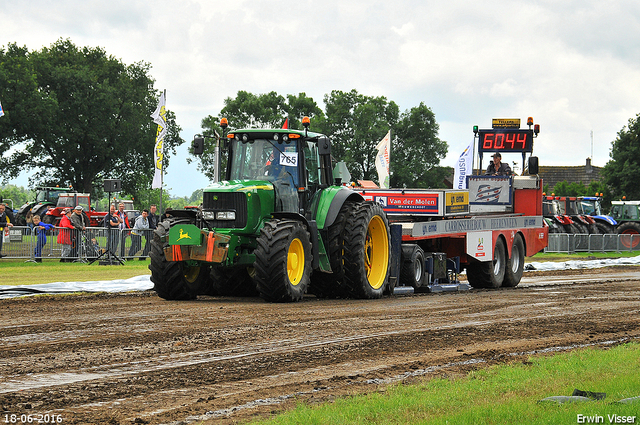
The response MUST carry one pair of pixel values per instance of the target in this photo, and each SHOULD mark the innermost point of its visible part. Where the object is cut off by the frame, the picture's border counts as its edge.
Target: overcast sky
(574, 66)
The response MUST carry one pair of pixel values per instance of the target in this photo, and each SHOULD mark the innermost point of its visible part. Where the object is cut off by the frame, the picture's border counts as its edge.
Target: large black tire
(605, 228)
(367, 249)
(331, 285)
(489, 274)
(413, 271)
(515, 265)
(283, 261)
(175, 280)
(632, 231)
(232, 282)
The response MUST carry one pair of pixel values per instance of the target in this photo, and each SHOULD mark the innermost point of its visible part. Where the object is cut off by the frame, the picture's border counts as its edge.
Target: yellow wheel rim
(191, 273)
(295, 261)
(376, 252)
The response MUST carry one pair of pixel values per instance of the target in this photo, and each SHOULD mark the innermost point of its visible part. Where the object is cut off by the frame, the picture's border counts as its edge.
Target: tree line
(77, 115)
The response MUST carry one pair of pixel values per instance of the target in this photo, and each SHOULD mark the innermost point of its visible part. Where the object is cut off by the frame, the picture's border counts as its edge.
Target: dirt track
(135, 358)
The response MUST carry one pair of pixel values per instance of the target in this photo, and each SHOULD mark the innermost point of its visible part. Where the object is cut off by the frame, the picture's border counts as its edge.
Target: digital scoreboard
(505, 140)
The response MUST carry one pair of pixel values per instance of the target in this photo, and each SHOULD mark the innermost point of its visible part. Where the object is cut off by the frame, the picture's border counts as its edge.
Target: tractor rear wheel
(367, 248)
(283, 261)
(175, 280)
(631, 230)
(605, 228)
(331, 285)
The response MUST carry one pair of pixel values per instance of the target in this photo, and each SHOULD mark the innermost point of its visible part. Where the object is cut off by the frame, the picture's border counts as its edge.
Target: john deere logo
(184, 234)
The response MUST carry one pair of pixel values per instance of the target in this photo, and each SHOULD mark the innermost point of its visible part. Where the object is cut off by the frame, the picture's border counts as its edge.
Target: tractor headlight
(209, 215)
(226, 215)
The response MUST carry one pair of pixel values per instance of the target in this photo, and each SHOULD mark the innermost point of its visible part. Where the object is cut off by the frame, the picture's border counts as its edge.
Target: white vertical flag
(382, 160)
(1, 110)
(160, 118)
(463, 169)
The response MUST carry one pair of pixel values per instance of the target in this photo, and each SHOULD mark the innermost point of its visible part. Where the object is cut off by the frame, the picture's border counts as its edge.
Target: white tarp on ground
(582, 264)
(137, 283)
(143, 283)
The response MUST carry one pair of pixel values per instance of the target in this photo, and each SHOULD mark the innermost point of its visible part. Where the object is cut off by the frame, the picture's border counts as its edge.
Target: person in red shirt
(65, 236)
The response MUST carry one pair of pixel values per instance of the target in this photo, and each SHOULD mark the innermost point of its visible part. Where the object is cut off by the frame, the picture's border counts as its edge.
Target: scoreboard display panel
(505, 140)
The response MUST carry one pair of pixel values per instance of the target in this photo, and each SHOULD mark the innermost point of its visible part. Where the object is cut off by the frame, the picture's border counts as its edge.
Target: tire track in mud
(151, 365)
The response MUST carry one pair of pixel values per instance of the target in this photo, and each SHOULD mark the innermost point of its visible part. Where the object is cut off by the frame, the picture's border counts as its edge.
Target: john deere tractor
(278, 224)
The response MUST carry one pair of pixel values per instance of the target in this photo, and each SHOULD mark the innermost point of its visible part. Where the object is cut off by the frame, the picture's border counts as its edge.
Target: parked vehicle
(591, 205)
(71, 200)
(46, 197)
(627, 214)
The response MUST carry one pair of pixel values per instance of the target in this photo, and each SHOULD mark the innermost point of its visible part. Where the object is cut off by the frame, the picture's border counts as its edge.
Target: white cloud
(573, 66)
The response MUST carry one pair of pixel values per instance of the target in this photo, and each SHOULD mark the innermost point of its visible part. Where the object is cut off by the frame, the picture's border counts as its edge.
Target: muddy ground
(135, 358)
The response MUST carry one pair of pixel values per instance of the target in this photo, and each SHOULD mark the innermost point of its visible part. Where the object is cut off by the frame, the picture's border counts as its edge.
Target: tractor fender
(606, 218)
(331, 200)
(312, 227)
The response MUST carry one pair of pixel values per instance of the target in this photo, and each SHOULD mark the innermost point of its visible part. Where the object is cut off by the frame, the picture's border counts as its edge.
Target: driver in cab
(497, 167)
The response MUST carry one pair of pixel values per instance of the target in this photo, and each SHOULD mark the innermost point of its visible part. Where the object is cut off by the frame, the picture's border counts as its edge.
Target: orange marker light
(530, 121)
(306, 121)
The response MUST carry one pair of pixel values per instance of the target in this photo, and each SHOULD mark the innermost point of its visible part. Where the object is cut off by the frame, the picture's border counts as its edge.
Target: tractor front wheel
(283, 261)
(175, 280)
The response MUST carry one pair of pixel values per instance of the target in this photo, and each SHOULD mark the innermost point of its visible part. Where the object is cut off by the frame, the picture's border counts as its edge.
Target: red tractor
(71, 200)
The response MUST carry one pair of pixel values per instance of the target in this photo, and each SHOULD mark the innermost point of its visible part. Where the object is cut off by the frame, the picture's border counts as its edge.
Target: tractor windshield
(262, 159)
(591, 207)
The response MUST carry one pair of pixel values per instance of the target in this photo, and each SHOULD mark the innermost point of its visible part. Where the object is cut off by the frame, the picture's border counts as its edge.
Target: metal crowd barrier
(569, 243)
(85, 245)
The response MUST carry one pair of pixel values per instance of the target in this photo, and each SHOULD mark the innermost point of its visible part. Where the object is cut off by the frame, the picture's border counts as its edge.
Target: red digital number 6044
(515, 140)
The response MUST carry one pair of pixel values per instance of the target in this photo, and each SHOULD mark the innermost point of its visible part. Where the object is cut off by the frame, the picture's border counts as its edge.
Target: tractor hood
(242, 205)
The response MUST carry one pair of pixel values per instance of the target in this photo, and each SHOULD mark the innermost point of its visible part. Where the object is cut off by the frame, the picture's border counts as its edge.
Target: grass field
(497, 395)
(19, 272)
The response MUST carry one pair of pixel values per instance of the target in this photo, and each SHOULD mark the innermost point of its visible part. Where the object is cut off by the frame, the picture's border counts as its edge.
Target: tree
(416, 151)
(622, 172)
(248, 110)
(356, 123)
(78, 116)
(15, 196)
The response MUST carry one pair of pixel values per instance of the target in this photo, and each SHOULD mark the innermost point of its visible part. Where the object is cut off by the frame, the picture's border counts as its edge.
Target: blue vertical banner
(463, 169)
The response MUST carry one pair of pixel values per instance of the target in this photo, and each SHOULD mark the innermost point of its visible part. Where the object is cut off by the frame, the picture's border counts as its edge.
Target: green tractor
(279, 225)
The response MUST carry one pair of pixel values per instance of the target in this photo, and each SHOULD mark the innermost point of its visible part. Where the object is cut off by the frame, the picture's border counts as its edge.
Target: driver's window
(312, 165)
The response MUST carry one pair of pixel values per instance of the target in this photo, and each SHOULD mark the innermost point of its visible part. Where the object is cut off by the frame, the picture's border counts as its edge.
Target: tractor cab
(287, 159)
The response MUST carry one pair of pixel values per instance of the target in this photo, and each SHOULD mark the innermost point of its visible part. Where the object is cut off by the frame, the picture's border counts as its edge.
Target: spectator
(139, 227)
(153, 217)
(153, 224)
(167, 214)
(4, 222)
(40, 228)
(77, 220)
(112, 223)
(65, 236)
(123, 221)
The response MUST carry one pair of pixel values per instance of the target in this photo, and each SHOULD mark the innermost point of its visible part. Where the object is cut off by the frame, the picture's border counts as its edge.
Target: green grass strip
(19, 272)
(507, 394)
